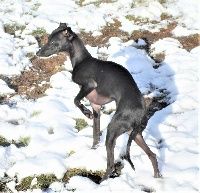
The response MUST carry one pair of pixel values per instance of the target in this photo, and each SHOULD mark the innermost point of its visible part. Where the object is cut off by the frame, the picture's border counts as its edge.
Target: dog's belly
(98, 99)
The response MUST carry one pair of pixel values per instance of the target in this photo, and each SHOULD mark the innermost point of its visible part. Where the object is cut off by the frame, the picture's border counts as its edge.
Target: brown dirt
(189, 42)
(34, 82)
(110, 30)
(154, 36)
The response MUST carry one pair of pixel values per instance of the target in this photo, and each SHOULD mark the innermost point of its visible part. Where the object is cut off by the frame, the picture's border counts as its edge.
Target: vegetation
(71, 152)
(3, 141)
(25, 184)
(95, 176)
(39, 32)
(12, 28)
(96, 3)
(35, 114)
(24, 141)
(43, 182)
(80, 124)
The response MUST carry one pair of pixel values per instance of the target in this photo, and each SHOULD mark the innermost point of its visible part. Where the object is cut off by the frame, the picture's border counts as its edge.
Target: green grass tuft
(93, 175)
(39, 32)
(44, 181)
(4, 142)
(25, 184)
(35, 114)
(24, 141)
(80, 124)
(71, 152)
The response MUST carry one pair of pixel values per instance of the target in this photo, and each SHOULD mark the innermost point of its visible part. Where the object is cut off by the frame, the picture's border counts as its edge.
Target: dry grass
(110, 30)
(189, 42)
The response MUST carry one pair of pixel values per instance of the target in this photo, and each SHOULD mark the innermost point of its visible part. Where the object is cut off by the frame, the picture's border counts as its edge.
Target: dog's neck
(78, 51)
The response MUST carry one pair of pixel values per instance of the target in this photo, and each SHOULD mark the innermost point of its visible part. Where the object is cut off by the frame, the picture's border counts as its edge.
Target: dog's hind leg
(152, 156)
(115, 129)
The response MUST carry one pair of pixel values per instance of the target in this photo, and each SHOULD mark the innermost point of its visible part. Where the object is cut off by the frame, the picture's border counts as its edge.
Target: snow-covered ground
(49, 122)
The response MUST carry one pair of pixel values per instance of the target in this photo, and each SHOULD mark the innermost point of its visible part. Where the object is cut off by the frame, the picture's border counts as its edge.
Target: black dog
(102, 82)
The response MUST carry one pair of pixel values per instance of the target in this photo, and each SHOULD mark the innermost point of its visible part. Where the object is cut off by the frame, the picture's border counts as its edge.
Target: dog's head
(58, 41)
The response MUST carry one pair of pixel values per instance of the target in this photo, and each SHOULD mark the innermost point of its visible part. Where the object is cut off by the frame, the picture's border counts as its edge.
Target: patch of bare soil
(154, 36)
(189, 42)
(110, 30)
(33, 83)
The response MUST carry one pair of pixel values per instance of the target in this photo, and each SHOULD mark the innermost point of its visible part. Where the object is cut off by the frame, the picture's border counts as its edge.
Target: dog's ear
(69, 33)
(63, 26)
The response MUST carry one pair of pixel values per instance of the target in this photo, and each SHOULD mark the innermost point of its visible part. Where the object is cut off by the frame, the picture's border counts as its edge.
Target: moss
(95, 176)
(162, 1)
(44, 180)
(71, 152)
(12, 28)
(165, 16)
(39, 32)
(131, 18)
(35, 114)
(24, 141)
(80, 124)
(80, 2)
(140, 20)
(25, 184)
(4, 142)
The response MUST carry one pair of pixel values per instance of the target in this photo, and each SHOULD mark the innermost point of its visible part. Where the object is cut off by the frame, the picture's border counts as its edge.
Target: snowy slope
(49, 122)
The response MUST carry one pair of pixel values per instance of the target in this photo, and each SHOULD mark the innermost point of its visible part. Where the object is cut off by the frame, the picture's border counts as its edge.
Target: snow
(4, 88)
(49, 122)
(187, 12)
